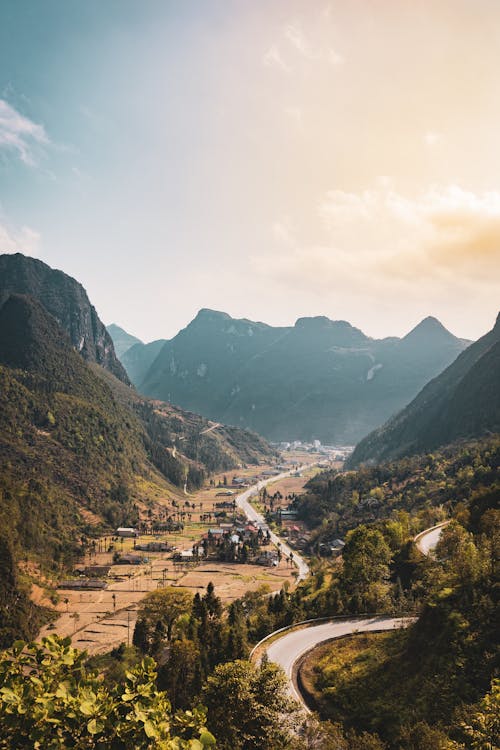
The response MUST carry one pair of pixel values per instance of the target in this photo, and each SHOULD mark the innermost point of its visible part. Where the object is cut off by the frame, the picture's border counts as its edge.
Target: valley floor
(99, 620)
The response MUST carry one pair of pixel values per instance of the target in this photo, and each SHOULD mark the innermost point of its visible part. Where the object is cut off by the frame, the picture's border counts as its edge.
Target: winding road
(253, 515)
(287, 650)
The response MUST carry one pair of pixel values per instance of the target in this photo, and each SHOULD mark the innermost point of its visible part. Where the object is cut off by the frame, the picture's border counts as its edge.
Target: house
(225, 493)
(131, 560)
(333, 548)
(287, 514)
(126, 532)
(239, 480)
(268, 558)
(186, 555)
(83, 584)
(154, 547)
(97, 571)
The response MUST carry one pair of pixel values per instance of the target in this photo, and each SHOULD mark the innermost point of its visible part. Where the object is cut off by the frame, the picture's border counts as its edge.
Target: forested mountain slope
(80, 447)
(462, 402)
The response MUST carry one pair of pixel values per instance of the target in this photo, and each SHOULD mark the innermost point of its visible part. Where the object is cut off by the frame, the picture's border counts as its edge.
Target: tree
(180, 676)
(366, 557)
(481, 728)
(50, 700)
(161, 609)
(249, 707)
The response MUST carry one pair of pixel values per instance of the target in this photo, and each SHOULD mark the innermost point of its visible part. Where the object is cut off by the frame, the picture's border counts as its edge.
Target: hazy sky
(269, 158)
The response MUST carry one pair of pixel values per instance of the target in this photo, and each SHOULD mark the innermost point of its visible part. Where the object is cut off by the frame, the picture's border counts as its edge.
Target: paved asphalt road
(288, 649)
(427, 540)
(291, 646)
(242, 501)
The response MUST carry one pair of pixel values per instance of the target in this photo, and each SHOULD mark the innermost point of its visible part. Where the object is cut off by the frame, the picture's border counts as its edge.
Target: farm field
(99, 620)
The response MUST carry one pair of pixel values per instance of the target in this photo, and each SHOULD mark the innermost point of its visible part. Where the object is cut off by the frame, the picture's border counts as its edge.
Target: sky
(273, 159)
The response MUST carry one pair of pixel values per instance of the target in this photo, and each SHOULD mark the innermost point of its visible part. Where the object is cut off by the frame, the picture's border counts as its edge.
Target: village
(186, 541)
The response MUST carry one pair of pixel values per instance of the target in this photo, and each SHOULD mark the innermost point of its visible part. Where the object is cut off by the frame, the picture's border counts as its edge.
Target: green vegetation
(50, 699)
(463, 402)
(439, 672)
(248, 707)
(76, 442)
(425, 489)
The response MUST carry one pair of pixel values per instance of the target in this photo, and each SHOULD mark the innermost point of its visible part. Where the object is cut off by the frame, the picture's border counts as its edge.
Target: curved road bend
(427, 540)
(253, 515)
(288, 649)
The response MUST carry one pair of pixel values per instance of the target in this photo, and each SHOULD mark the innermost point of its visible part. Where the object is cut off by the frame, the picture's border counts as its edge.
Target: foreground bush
(49, 700)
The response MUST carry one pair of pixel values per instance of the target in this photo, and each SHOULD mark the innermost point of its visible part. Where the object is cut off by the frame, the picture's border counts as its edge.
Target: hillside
(430, 485)
(462, 402)
(427, 687)
(318, 379)
(122, 340)
(67, 301)
(81, 452)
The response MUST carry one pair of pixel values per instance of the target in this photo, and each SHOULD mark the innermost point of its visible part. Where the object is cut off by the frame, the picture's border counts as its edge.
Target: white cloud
(24, 240)
(294, 34)
(380, 241)
(272, 59)
(432, 138)
(20, 134)
(334, 58)
(311, 47)
(306, 48)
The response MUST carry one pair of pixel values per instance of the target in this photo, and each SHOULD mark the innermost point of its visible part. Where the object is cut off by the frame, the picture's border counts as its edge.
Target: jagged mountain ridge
(65, 299)
(319, 379)
(138, 359)
(462, 402)
(121, 339)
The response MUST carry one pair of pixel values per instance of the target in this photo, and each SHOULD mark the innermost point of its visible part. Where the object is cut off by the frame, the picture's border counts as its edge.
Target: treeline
(428, 486)
(433, 686)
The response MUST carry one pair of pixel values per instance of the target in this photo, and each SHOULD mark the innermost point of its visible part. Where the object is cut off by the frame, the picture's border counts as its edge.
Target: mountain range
(462, 402)
(319, 379)
(121, 339)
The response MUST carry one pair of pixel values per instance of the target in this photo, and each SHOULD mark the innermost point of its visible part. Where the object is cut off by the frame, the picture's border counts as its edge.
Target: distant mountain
(67, 301)
(318, 379)
(462, 402)
(138, 359)
(121, 339)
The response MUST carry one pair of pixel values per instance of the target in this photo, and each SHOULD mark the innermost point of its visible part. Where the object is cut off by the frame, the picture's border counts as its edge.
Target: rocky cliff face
(67, 301)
